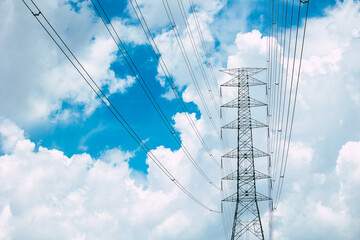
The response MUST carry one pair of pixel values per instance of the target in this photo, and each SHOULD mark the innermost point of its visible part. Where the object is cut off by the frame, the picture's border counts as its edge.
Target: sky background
(68, 170)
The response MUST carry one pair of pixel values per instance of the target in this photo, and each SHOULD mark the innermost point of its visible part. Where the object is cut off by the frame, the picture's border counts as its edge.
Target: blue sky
(53, 129)
(56, 135)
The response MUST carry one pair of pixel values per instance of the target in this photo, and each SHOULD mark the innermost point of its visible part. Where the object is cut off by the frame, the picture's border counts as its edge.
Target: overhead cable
(197, 54)
(282, 174)
(147, 91)
(203, 43)
(100, 94)
(188, 64)
(168, 77)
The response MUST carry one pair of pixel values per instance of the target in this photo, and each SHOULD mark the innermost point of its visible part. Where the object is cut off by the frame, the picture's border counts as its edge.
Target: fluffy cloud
(45, 194)
(155, 13)
(348, 171)
(330, 66)
(171, 52)
(10, 134)
(37, 79)
(251, 49)
(328, 208)
(319, 200)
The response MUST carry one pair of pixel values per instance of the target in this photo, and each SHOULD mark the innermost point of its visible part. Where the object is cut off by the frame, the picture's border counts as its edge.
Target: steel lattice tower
(247, 219)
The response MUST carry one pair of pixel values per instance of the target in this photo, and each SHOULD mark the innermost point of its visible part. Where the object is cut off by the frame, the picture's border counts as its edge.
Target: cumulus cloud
(251, 47)
(10, 134)
(155, 13)
(120, 85)
(348, 171)
(320, 209)
(45, 194)
(329, 67)
(318, 200)
(37, 79)
(79, 197)
(156, 17)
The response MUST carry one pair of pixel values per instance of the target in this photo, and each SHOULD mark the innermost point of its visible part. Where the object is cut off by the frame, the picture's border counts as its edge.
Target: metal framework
(246, 215)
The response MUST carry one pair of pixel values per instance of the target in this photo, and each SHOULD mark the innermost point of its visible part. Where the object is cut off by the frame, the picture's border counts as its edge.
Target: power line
(277, 122)
(198, 57)
(274, 71)
(99, 93)
(295, 98)
(285, 92)
(270, 70)
(279, 78)
(203, 43)
(187, 62)
(148, 92)
(290, 97)
(270, 167)
(277, 158)
(168, 77)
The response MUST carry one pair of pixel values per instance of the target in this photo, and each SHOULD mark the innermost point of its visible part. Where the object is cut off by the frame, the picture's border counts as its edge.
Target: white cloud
(129, 32)
(45, 194)
(316, 203)
(156, 17)
(37, 79)
(5, 217)
(326, 208)
(120, 85)
(251, 49)
(10, 135)
(348, 171)
(84, 198)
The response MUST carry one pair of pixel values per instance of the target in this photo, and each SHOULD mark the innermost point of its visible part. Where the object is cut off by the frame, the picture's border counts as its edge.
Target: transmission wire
(290, 97)
(295, 98)
(187, 62)
(279, 127)
(286, 82)
(203, 43)
(111, 107)
(168, 77)
(279, 82)
(274, 71)
(150, 95)
(198, 57)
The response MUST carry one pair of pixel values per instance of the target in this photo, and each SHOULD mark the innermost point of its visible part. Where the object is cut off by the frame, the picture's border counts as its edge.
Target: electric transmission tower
(246, 221)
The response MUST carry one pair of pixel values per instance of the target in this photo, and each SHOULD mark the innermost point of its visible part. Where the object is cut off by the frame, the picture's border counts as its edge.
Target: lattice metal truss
(246, 215)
